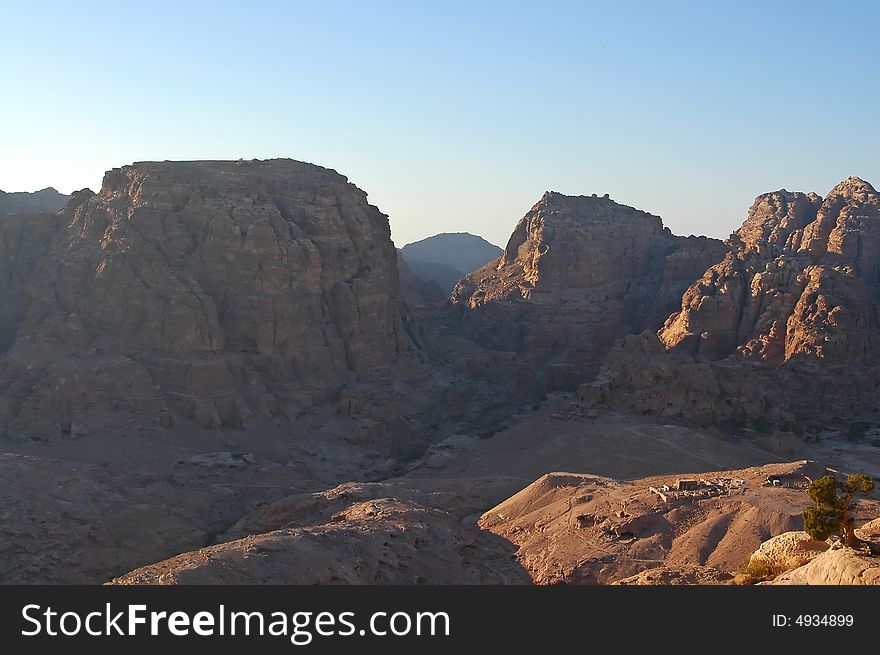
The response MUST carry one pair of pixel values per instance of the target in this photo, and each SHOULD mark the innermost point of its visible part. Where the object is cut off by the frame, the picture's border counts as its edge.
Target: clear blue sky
(455, 115)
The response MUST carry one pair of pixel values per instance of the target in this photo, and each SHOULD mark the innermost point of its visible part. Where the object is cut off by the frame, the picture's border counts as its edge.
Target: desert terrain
(225, 372)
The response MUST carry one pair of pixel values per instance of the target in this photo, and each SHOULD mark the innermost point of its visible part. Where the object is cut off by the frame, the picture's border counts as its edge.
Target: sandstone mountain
(801, 282)
(47, 200)
(576, 274)
(791, 308)
(222, 290)
(446, 258)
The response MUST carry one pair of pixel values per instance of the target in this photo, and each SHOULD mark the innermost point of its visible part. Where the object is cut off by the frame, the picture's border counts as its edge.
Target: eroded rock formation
(784, 328)
(576, 273)
(802, 281)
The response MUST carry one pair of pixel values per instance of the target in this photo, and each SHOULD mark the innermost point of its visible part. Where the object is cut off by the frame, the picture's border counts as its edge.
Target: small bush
(744, 579)
(758, 571)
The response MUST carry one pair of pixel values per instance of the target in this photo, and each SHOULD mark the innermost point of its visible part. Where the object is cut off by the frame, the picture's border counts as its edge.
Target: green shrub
(831, 513)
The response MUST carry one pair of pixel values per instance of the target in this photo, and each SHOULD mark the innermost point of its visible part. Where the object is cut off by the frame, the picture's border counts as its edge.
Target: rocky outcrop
(837, 566)
(381, 541)
(48, 200)
(576, 273)
(870, 533)
(586, 529)
(802, 281)
(783, 329)
(231, 287)
(678, 575)
(784, 552)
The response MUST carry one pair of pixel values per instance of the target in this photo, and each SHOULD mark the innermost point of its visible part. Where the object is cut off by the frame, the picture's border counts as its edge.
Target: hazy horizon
(456, 119)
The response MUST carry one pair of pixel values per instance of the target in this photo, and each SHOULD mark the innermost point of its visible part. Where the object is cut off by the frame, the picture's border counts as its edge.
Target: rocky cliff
(576, 273)
(229, 287)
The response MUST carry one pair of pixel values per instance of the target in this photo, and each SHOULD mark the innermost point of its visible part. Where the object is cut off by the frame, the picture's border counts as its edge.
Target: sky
(455, 116)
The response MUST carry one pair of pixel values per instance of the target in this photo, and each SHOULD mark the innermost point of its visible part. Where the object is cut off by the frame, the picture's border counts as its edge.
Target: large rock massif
(576, 274)
(222, 290)
(783, 328)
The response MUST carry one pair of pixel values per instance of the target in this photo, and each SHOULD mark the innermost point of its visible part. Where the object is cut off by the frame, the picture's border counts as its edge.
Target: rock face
(576, 273)
(47, 200)
(204, 278)
(802, 281)
(446, 258)
(784, 552)
(24, 240)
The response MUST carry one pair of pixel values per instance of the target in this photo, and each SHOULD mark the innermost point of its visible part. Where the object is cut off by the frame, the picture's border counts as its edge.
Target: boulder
(784, 552)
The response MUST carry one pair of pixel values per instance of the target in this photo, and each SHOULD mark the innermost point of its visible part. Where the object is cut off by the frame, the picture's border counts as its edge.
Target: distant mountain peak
(445, 258)
(44, 200)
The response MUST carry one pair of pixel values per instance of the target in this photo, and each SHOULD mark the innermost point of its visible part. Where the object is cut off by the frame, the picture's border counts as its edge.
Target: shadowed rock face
(216, 275)
(24, 240)
(415, 290)
(802, 281)
(576, 273)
